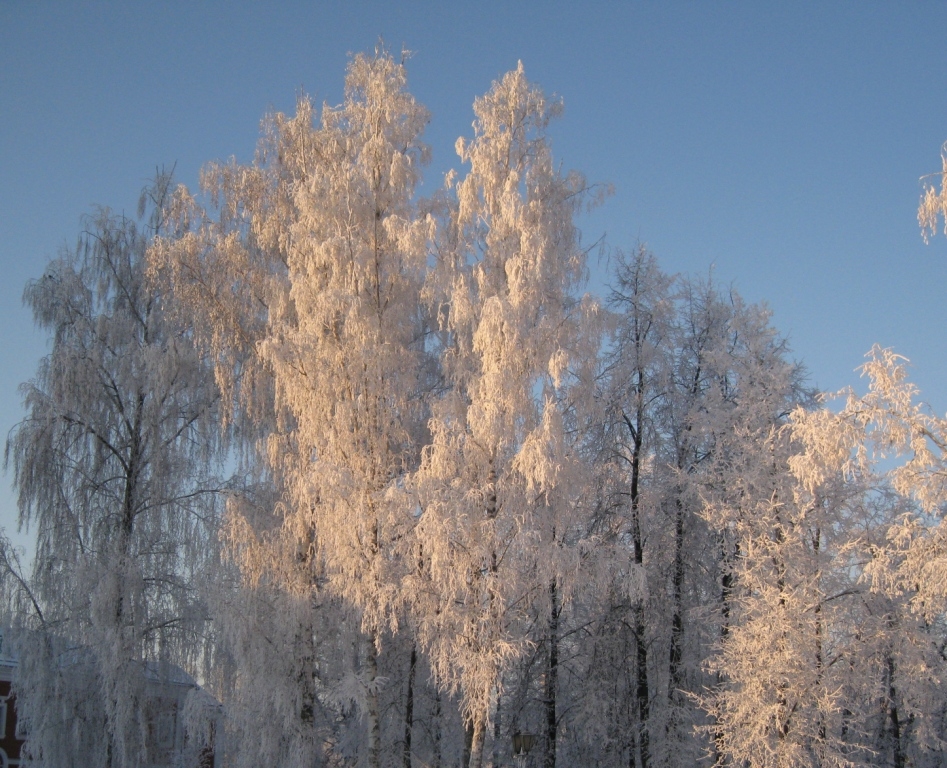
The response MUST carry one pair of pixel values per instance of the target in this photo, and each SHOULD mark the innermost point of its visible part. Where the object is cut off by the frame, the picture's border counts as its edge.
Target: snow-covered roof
(158, 672)
(165, 672)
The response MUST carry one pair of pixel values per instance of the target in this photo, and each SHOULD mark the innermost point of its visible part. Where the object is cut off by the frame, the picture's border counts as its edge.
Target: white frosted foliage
(497, 483)
(113, 468)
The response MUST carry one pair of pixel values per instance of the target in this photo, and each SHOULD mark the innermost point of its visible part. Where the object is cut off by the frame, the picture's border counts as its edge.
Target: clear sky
(780, 143)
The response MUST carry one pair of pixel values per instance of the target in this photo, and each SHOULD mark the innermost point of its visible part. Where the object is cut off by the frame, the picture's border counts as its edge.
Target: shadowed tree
(112, 467)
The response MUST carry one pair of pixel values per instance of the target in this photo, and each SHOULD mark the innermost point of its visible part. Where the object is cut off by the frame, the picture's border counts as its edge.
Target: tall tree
(692, 380)
(734, 385)
(636, 384)
(347, 351)
(496, 476)
(225, 263)
(777, 702)
(835, 652)
(309, 283)
(113, 468)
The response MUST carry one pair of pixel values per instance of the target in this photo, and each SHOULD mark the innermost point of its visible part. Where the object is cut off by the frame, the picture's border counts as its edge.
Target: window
(164, 730)
(162, 727)
(21, 727)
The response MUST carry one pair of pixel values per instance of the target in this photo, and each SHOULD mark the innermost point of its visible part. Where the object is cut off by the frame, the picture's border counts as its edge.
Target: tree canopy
(396, 489)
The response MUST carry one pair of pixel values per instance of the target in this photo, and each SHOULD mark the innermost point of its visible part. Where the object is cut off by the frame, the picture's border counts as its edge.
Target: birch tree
(693, 381)
(933, 206)
(778, 702)
(225, 262)
(308, 282)
(113, 468)
(636, 382)
(347, 356)
(887, 434)
(835, 652)
(494, 480)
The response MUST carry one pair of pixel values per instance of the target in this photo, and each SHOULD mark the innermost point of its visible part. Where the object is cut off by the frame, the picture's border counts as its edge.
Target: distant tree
(835, 652)
(113, 467)
(693, 380)
(933, 205)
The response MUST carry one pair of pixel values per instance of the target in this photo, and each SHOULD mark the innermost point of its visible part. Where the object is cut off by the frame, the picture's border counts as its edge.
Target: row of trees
(377, 473)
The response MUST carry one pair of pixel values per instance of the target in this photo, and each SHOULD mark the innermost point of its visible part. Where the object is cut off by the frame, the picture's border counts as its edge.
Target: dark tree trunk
(374, 723)
(552, 676)
(642, 693)
(468, 743)
(497, 731)
(897, 757)
(409, 708)
(675, 678)
(437, 729)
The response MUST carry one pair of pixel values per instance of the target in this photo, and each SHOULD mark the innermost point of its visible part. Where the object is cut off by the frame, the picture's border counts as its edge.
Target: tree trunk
(409, 708)
(819, 661)
(374, 725)
(468, 743)
(436, 717)
(675, 677)
(497, 730)
(897, 757)
(726, 596)
(726, 586)
(552, 676)
(642, 693)
(477, 737)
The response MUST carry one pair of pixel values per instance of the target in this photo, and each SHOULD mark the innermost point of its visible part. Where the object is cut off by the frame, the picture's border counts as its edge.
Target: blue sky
(779, 143)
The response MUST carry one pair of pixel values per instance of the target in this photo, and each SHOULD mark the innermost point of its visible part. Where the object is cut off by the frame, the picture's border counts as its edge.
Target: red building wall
(9, 743)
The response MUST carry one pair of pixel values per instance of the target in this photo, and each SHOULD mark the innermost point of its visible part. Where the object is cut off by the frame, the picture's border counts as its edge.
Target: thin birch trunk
(409, 708)
(374, 725)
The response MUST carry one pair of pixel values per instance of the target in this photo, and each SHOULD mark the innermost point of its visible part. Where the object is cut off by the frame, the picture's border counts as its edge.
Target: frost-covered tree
(113, 470)
(834, 654)
(307, 286)
(346, 351)
(226, 267)
(635, 382)
(778, 701)
(692, 382)
(472, 501)
(732, 386)
(887, 434)
(496, 484)
(225, 262)
(933, 205)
